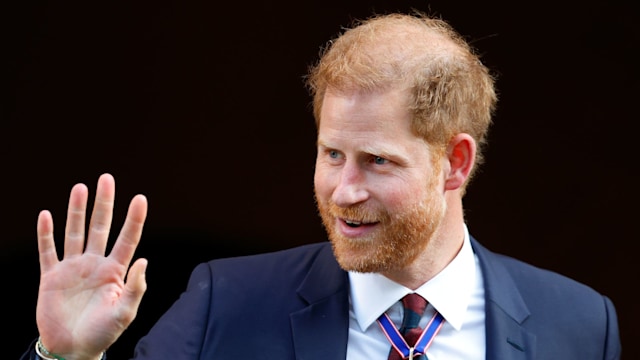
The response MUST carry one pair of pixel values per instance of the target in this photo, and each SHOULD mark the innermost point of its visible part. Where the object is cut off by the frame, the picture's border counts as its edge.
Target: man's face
(378, 193)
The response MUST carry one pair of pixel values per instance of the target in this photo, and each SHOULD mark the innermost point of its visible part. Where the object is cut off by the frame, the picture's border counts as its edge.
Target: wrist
(45, 354)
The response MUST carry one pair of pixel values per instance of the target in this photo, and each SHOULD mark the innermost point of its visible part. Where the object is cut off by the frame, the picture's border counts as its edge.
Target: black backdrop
(201, 106)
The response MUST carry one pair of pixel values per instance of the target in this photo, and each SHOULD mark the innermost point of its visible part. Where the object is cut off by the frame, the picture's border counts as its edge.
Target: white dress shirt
(457, 292)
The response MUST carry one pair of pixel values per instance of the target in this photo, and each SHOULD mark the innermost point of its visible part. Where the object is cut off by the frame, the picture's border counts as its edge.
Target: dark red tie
(414, 306)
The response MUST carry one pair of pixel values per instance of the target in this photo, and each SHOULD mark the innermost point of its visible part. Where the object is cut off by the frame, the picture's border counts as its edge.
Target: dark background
(201, 106)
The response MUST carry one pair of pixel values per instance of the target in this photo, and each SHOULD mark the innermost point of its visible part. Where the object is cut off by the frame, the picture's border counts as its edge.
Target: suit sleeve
(613, 347)
(181, 331)
(30, 354)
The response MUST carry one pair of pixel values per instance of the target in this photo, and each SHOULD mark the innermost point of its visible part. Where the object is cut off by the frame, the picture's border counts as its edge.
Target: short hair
(451, 91)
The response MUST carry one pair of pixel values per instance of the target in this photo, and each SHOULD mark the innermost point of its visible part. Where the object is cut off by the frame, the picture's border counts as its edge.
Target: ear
(461, 154)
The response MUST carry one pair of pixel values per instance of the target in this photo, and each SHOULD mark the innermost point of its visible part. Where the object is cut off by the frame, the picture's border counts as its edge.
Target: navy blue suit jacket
(293, 304)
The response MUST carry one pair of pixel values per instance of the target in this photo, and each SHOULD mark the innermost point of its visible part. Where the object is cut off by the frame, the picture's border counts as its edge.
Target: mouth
(355, 228)
(357, 224)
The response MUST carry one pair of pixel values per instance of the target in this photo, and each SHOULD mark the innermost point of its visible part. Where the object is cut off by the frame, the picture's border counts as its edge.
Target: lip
(354, 232)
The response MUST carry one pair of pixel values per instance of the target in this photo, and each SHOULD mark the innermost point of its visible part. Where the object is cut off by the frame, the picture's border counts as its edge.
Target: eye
(378, 160)
(333, 154)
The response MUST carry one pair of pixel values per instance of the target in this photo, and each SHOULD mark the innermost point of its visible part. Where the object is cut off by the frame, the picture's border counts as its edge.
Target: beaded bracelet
(47, 355)
(44, 353)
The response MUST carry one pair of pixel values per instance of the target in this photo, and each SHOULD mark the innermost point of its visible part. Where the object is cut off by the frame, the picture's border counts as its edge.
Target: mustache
(357, 212)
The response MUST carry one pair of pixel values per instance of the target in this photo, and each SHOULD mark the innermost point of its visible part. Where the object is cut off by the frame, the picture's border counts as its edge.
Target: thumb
(134, 289)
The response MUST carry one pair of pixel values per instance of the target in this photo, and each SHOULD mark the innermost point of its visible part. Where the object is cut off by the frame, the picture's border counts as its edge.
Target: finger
(102, 215)
(76, 216)
(46, 244)
(134, 289)
(129, 237)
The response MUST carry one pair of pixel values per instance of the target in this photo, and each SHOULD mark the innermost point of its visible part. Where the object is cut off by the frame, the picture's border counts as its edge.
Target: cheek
(322, 183)
(399, 193)
(396, 199)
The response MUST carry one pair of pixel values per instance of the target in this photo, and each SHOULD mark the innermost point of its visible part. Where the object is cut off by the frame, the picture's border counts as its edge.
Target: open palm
(87, 300)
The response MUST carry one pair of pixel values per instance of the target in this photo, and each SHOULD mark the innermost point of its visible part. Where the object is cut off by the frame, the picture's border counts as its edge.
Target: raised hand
(87, 300)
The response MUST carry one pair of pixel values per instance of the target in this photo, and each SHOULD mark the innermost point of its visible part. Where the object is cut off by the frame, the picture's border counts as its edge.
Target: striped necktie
(414, 306)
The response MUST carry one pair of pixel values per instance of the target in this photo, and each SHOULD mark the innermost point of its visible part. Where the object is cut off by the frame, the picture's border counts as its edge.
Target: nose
(351, 187)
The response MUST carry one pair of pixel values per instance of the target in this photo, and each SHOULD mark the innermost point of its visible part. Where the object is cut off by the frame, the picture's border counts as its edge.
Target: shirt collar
(450, 301)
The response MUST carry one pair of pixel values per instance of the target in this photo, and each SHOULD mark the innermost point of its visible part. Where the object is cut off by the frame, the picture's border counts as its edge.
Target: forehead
(379, 121)
(382, 110)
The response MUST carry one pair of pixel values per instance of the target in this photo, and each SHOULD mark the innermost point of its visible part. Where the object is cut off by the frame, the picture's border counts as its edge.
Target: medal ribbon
(400, 344)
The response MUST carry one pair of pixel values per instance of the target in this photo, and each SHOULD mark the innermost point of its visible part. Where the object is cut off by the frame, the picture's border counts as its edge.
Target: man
(402, 106)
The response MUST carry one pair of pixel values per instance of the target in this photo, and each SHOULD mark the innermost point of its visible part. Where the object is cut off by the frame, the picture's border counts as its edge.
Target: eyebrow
(382, 151)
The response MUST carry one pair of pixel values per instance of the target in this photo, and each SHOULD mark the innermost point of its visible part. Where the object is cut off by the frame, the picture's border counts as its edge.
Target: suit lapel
(505, 311)
(320, 331)
(506, 339)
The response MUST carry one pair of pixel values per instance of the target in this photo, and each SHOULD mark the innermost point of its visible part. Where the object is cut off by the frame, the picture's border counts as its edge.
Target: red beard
(397, 239)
